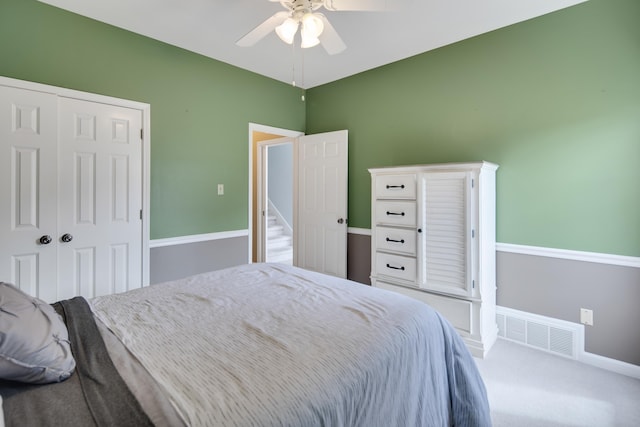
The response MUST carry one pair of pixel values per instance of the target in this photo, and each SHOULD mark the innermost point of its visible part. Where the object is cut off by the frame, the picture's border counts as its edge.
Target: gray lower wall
(559, 288)
(178, 261)
(359, 258)
(551, 287)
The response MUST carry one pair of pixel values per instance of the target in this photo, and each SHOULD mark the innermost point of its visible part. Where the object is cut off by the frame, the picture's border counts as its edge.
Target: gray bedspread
(95, 395)
(273, 345)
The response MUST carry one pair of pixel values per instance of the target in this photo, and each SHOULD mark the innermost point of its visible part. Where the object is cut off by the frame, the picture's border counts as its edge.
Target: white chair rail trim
(195, 238)
(621, 260)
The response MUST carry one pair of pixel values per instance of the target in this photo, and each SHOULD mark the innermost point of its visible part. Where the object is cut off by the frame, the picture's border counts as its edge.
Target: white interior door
(100, 198)
(321, 230)
(28, 190)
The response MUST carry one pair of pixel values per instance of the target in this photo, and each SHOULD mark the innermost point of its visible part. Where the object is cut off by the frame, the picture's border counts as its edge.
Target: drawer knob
(395, 268)
(395, 213)
(395, 186)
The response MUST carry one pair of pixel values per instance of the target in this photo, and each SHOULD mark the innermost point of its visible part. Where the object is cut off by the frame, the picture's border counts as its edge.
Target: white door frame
(285, 133)
(146, 144)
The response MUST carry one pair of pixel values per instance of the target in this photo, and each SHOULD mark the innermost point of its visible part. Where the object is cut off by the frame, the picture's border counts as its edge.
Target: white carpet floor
(532, 388)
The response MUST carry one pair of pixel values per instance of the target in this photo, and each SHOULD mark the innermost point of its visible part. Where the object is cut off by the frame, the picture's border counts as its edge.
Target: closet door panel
(28, 169)
(101, 197)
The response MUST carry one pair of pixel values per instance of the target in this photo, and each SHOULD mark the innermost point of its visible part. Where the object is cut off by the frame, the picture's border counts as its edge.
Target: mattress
(275, 345)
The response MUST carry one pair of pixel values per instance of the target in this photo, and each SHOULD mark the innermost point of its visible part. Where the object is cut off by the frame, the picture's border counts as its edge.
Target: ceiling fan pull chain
(293, 64)
(302, 68)
(302, 75)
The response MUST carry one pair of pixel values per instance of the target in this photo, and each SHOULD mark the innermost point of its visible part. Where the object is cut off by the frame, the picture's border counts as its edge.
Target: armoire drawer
(396, 186)
(396, 266)
(458, 312)
(396, 213)
(399, 240)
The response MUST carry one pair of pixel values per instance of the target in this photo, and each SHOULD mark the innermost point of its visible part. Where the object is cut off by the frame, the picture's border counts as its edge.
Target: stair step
(279, 244)
(282, 256)
(281, 241)
(275, 230)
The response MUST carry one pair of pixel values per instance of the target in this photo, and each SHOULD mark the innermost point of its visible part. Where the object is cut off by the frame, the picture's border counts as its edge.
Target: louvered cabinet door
(446, 247)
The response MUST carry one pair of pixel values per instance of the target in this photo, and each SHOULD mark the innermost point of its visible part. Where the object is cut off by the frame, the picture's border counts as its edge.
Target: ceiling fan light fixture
(287, 30)
(309, 42)
(312, 25)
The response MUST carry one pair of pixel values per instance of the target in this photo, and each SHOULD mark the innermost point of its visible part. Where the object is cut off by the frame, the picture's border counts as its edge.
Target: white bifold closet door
(71, 186)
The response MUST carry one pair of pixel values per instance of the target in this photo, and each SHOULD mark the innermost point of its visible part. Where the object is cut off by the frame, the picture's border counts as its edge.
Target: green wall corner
(555, 101)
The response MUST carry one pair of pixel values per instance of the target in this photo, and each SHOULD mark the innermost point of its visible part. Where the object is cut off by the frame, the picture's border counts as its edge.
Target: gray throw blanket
(95, 395)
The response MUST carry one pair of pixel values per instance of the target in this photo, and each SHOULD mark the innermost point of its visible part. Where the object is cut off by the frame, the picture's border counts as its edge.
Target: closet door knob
(66, 238)
(45, 240)
(340, 221)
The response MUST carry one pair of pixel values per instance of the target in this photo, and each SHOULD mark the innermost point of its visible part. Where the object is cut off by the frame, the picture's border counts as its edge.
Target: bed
(255, 345)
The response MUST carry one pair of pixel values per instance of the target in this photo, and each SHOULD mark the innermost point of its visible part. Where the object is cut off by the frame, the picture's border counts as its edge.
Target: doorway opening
(271, 194)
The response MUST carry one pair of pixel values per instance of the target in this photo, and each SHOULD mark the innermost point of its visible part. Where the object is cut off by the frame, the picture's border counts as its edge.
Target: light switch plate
(586, 316)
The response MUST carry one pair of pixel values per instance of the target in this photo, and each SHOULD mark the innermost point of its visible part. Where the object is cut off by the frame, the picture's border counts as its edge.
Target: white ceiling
(211, 28)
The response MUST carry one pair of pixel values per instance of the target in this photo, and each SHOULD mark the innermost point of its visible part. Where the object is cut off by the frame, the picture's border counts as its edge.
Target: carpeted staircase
(279, 244)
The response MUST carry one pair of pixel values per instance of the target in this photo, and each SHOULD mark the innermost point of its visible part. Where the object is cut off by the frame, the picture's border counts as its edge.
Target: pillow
(34, 342)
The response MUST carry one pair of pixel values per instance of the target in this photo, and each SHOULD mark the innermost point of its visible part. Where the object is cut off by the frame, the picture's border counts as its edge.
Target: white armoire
(433, 239)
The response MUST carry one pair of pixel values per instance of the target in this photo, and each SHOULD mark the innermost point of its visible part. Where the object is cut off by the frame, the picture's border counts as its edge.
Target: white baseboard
(609, 364)
(195, 238)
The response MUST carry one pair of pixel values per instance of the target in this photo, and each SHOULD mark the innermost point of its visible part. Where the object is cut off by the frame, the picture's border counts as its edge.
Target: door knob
(66, 238)
(45, 240)
(340, 221)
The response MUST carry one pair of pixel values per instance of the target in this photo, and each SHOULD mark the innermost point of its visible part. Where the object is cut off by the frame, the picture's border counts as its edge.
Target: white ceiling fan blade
(258, 33)
(357, 5)
(330, 40)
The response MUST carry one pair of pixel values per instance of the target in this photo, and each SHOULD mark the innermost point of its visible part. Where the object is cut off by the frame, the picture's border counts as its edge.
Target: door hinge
(142, 134)
(473, 284)
(472, 182)
(473, 234)
(140, 213)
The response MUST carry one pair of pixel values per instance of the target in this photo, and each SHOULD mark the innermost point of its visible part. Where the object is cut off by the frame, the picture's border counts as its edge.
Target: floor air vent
(545, 333)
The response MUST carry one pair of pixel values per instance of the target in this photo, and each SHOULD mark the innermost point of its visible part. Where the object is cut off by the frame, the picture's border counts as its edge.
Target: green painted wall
(555, 101)
(200, 108)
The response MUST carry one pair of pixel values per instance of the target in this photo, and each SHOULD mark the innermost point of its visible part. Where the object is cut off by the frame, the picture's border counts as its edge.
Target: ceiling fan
(315, 28)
